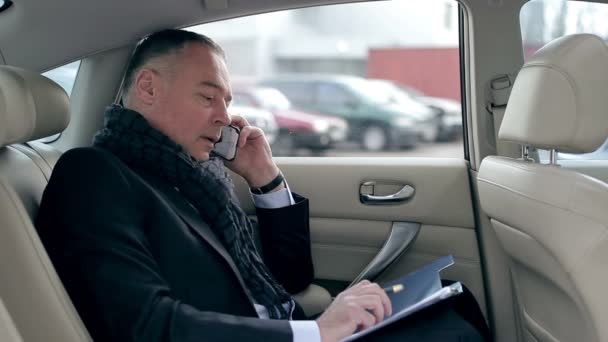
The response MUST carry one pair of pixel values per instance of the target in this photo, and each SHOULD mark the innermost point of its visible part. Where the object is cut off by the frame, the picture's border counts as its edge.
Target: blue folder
(422, 288)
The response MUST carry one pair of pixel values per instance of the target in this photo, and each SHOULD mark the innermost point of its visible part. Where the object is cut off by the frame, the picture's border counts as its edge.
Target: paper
(422, 289)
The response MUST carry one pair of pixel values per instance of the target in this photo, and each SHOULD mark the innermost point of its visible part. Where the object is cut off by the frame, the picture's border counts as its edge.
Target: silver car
(258, 118)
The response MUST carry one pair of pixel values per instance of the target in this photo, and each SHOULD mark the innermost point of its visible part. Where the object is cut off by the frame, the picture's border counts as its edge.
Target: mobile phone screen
(227, 146)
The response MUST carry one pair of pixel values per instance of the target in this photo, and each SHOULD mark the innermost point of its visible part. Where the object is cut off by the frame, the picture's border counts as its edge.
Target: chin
(201, 156)
(200, 151)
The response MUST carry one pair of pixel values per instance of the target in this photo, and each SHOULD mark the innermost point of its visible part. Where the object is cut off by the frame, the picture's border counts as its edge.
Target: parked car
(297, 129)
(375, 121)
(450, 117)
(259, 118)
(448, 112)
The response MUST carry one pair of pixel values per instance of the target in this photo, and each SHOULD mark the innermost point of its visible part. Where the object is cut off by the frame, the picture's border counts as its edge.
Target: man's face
(191, 107)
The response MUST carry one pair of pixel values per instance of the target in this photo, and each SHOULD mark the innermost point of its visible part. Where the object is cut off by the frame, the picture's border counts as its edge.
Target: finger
(386, 301)
(374, 288)
(355, 289)
(360, 284)
(239, 121)
(366, 287)
(249, 133)
(365, 320)
(372, 304)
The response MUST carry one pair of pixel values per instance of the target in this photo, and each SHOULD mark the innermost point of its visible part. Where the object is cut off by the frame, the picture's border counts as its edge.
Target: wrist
(275, 184)
(324, 334)
(262, 176)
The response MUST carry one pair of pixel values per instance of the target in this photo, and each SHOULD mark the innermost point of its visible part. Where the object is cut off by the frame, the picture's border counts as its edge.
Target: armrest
(313, 300)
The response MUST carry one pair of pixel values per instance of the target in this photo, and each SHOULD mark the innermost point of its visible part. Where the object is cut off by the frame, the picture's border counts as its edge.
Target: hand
(357, 308)
(253, 158)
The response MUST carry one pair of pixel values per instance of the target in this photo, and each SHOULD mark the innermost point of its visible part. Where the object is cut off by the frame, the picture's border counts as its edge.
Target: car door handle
(366, 194)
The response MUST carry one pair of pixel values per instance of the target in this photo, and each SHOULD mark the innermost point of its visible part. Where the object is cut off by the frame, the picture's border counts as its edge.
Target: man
(148, 237)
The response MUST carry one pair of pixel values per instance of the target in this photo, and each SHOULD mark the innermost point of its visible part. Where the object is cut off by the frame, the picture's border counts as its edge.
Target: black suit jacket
(141, 265)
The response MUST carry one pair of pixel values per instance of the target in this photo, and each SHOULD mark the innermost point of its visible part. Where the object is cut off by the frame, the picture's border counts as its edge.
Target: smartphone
(226, 147)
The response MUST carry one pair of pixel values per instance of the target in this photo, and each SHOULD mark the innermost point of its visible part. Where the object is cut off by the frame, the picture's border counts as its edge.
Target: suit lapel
(191, 217)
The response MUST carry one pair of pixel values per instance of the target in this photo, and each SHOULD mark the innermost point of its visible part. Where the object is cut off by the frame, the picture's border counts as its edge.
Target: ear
(146, 86)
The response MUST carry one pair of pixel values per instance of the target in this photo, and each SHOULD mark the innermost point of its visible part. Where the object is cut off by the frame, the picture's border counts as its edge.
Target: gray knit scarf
(206, 185)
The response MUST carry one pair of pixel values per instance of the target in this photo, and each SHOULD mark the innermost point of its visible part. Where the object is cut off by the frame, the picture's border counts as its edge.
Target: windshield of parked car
(272, 99)
(370, 92)
(388, 93)
(394, 93)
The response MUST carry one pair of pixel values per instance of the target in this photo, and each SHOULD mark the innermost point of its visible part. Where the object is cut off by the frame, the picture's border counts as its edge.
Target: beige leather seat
(8, 332)
(31, 107)
(552, 222)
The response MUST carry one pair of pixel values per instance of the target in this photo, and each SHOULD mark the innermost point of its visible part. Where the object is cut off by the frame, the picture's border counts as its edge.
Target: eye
(205, 98)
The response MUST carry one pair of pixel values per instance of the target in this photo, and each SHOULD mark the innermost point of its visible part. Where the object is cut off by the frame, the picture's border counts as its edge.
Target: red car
(297, 129)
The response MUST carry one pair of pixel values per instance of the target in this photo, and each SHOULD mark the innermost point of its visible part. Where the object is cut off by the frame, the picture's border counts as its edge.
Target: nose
(222, 116)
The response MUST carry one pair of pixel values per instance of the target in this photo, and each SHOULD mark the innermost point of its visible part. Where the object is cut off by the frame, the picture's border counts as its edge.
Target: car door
(349, 231)
(376, 214)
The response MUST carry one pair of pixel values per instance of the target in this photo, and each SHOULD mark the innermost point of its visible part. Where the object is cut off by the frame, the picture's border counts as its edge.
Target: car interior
(528, 235)
(8, 332)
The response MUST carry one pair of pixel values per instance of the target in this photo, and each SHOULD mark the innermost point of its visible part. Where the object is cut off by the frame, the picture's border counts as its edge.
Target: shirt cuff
(305, 331)
(273, 200)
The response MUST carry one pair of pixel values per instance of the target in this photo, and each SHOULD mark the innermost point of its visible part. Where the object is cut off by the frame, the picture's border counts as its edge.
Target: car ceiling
(41, 34)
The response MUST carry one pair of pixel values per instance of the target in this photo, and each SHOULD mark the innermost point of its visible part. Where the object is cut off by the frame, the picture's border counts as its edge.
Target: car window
(65, 76)
(388, 85)
(297, 92)
(333, 95)
(545, 20)
(271, 98)
(242, 99)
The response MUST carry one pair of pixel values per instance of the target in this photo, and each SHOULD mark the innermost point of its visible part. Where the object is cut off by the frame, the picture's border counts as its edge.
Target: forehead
(200, 63)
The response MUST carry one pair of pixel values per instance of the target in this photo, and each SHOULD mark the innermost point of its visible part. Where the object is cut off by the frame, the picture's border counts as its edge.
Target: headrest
(560, 97)
(31, 106)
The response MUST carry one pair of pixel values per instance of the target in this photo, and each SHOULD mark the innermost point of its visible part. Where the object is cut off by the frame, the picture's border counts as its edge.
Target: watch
(270, 186)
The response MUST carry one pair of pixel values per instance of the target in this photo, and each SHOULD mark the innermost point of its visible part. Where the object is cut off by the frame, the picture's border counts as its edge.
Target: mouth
(213, 140)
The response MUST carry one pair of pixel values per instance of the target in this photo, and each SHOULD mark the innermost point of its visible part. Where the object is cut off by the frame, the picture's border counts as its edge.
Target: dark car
(450, 115)
(297, 129)
(448, 112)
(375, 121)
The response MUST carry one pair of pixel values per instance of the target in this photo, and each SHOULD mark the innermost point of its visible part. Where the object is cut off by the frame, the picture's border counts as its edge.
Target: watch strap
(270, 186)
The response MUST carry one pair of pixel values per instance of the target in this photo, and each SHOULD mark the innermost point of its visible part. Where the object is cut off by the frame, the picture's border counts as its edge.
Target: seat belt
(43, 155)
(42, 164)
(500, 90)
(46, 152)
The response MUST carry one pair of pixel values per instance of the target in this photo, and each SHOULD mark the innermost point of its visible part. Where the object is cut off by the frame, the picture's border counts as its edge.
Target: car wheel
(431, 134)
(374, 138)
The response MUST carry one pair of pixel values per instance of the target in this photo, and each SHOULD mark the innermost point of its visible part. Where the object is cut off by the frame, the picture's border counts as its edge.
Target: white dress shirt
(303, 331)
